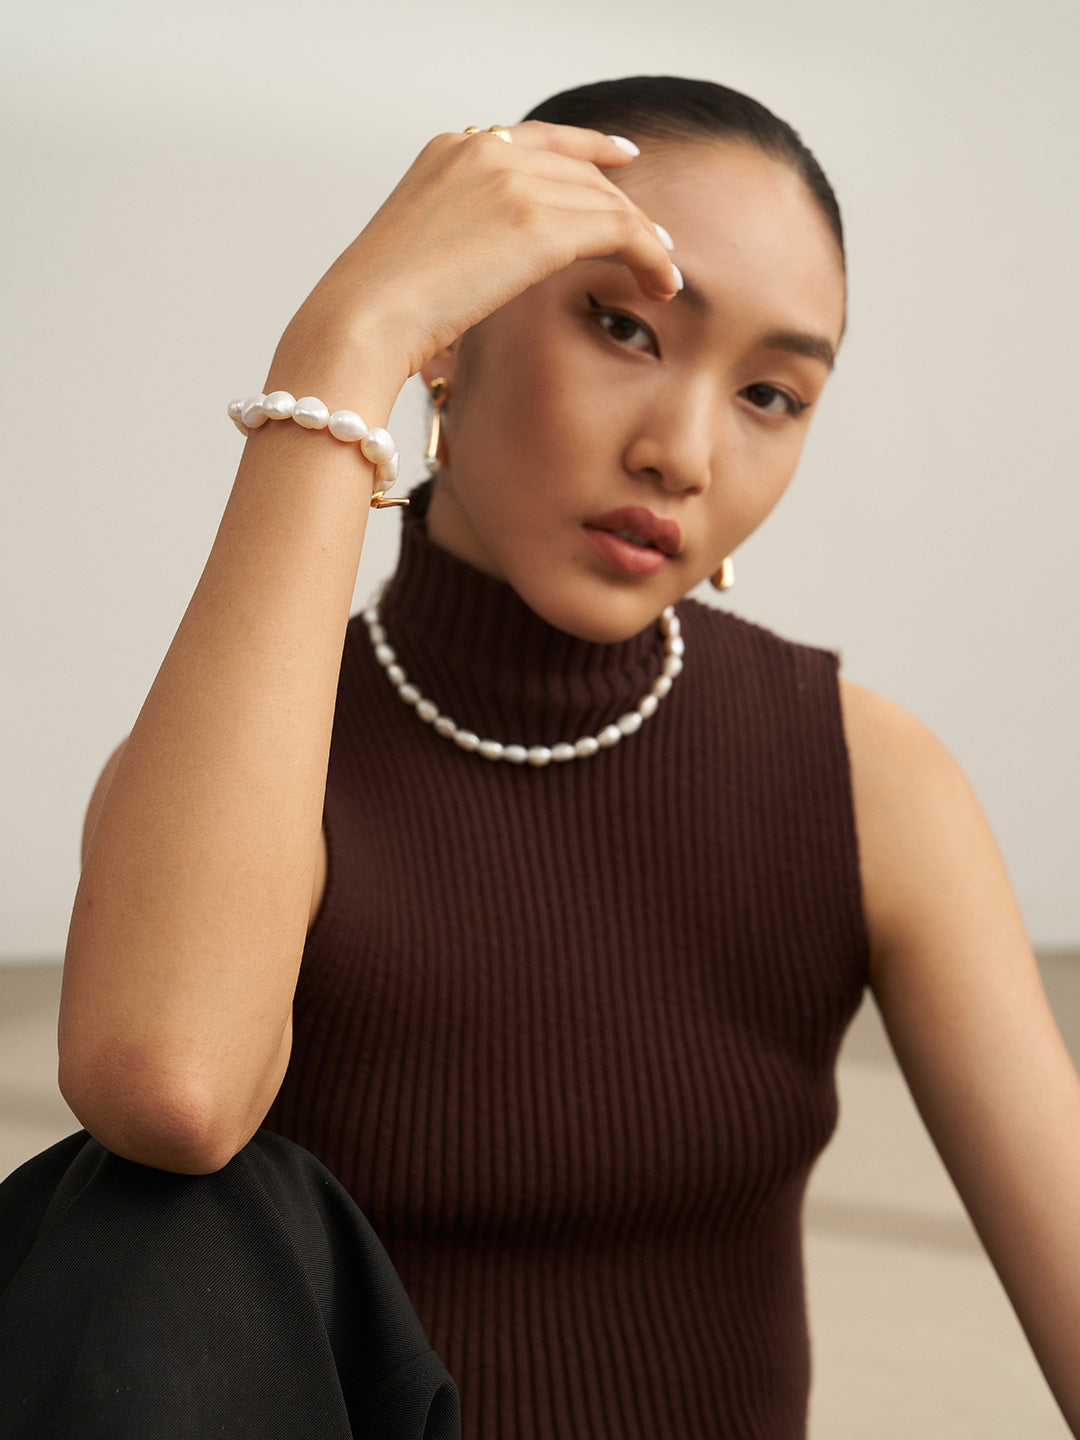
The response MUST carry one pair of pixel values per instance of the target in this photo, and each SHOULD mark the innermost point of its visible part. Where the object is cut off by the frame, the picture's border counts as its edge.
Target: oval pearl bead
(234, 408)
(467, 740)
(427, 710)
(516, 754)
(311, 413)
(388, 471)
(376, 633)
(539, 755)
(563, 751)
(279, 405)
(376, 445)
(252, 413)
(586, 746)
(648, 706)
(445, 726)
(630, 723)
(609, 735)
(490, 749)
(661, 686)
(396, 675)
(672, 667)
(676, 645)
(409, 693)
(385, 654)
(347, 425)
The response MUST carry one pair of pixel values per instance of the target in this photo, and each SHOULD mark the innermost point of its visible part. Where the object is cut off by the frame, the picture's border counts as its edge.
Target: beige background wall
(177, 176)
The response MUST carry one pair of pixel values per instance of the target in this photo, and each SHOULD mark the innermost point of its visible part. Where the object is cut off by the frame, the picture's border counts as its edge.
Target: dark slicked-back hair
(668, 107)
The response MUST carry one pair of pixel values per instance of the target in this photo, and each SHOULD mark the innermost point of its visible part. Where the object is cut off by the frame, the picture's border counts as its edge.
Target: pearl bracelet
(377, 445)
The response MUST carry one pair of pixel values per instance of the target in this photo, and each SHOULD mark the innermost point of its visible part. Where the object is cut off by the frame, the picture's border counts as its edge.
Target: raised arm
(962, 1000)
(203, 850)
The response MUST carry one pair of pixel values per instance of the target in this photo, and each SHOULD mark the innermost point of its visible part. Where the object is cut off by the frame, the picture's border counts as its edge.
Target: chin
(602, 619)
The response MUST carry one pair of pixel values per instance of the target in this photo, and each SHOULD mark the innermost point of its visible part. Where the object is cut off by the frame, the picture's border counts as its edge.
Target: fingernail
(625, 145)
(665, 238)
(677, 273)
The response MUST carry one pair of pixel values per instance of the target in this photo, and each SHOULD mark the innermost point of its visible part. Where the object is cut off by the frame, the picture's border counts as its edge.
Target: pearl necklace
(538, 755)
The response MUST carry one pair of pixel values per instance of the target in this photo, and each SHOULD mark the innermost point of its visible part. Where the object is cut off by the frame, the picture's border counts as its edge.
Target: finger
(609, 152)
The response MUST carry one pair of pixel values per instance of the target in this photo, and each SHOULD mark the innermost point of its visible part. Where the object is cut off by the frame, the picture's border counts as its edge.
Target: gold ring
(499, 130)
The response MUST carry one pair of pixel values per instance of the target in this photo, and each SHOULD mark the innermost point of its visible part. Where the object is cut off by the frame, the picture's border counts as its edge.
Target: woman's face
(607, 451)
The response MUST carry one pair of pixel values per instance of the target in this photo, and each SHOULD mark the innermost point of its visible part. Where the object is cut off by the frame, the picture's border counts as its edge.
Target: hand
(473, 223)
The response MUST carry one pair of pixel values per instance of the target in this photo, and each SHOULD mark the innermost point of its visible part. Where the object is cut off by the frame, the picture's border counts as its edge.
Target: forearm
(189, 921)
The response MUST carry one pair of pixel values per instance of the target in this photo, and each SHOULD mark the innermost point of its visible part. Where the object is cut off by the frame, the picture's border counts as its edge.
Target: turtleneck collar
(477, 650)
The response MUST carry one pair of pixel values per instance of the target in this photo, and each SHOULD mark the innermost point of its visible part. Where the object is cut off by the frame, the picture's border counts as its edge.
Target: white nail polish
(625, 145)
(665, 238)
(678, 276)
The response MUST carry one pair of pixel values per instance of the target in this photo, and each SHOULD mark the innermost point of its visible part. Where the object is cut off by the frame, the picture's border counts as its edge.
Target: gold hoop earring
(724, 578)
(439, 393)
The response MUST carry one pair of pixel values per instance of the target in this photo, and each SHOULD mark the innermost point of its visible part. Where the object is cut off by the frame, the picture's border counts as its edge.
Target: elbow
(161, 1120)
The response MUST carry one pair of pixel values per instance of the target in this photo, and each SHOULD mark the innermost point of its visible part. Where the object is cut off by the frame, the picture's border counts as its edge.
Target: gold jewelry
(499, 130)
(439, 391)
(724, 578)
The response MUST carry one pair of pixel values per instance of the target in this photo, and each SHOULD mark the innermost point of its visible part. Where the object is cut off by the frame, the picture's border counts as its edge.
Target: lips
(635, 524)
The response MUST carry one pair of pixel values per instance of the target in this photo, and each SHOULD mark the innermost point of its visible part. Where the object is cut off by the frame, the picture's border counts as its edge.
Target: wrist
(351, 367)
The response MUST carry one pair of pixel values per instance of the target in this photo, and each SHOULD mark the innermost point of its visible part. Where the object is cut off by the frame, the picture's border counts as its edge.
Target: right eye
(623, 328)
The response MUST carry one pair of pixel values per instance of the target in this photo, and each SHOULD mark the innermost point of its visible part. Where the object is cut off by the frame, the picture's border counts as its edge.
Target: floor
(912, 1331)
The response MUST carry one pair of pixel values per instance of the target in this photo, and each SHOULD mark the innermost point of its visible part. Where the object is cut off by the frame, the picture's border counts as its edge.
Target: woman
(565, 1030)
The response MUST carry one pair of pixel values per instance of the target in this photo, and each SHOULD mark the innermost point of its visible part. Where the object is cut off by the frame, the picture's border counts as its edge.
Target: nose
(676, 440)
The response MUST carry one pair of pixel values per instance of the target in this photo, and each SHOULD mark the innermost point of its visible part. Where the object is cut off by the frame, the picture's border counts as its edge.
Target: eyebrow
(795, 342)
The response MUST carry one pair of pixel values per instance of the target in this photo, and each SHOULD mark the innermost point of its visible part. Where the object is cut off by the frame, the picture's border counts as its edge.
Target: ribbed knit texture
(569, 1035)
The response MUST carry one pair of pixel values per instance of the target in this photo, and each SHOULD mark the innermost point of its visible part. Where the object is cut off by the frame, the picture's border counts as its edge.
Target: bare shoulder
(930, 865)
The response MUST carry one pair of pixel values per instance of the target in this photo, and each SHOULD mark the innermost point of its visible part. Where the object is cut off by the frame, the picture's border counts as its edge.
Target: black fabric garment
(256, 1302)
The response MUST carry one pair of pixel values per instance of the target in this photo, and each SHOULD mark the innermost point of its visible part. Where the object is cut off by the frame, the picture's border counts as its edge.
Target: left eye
(772, 401)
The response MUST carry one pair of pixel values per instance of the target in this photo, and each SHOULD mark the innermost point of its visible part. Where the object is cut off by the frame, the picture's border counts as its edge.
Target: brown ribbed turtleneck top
(568, 1035)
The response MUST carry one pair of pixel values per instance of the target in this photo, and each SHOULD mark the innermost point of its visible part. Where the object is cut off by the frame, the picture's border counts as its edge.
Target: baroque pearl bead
(376, 444)
(386, 472)
(347, 425)
(311, 413)
(251, 412)
(279, 405)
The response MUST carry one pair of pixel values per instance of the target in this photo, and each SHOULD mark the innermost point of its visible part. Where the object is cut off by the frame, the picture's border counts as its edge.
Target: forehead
(744, 221)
